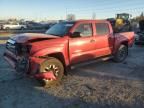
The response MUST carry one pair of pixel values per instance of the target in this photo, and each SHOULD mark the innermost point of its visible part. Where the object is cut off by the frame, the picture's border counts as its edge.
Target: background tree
(70, 17)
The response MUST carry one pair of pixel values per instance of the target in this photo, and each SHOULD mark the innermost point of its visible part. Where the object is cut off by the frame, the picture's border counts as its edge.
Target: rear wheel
(22, 28)
(121, 54)
(7, 28)
(56, 67)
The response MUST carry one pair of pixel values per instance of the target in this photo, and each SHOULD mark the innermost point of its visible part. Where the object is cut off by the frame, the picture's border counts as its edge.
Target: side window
(102, 29)
(83, 30)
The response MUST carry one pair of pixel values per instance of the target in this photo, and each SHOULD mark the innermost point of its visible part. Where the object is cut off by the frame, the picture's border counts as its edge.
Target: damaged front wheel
(51, 71)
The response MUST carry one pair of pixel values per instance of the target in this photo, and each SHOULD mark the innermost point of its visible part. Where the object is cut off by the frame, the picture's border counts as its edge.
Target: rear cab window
(102, 29)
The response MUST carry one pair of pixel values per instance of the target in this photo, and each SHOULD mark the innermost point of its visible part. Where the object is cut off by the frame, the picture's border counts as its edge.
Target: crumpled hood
(23, 38)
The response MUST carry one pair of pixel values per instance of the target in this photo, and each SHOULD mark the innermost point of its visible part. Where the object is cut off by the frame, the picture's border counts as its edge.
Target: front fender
(54, 50)
(47, 51)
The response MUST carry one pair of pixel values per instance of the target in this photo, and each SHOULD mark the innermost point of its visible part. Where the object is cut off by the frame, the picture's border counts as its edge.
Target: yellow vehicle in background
(122, 22)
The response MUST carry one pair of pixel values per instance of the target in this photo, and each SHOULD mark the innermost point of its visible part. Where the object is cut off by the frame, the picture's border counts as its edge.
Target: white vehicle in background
(14, 26)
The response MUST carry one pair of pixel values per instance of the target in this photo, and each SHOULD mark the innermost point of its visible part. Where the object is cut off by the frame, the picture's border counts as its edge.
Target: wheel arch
(60, 57)
(124, 43)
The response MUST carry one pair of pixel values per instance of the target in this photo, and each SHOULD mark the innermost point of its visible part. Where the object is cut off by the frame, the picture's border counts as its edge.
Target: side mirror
(75, 35)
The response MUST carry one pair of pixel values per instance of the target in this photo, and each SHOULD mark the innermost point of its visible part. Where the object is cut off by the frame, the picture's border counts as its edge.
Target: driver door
(82, 43)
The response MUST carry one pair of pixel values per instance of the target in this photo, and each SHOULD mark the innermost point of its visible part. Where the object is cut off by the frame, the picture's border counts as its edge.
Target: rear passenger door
(104, 39)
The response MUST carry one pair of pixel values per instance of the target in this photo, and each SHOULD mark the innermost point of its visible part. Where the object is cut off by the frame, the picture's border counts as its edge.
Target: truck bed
(129, 36)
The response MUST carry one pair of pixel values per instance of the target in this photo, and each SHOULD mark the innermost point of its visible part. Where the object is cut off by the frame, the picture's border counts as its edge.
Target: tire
(51, 63)
(22, 28)
(121, 54)
(7, 28)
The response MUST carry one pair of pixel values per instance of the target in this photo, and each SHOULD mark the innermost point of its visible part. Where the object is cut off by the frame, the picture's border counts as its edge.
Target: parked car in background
(48, 56)
(1, 27)
(51, 24)
(141, 25)
(14, 26)
(38, 26)
(139, 38)
(35, 26)
(2, 22)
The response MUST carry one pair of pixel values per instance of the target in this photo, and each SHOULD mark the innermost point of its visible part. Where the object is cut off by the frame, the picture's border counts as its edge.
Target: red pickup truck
(47, 56)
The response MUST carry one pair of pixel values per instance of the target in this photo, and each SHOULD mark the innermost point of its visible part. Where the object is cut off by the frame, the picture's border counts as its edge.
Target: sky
(58, 9)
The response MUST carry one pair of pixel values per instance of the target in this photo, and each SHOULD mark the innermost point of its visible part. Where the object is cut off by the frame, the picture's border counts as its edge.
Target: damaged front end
(17, 56)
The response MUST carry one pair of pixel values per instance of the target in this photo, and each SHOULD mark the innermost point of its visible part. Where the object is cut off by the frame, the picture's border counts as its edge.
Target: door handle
(92, 40)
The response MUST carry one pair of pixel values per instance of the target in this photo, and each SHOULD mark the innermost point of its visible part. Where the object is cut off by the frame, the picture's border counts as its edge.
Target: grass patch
(5, 34)
(3, 41)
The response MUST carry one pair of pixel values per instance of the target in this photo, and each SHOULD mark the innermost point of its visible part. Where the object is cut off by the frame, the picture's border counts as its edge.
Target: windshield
(60, 29)
(124, 16)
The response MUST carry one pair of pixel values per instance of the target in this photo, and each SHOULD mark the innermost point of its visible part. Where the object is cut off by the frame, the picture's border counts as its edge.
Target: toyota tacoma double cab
(47, 57)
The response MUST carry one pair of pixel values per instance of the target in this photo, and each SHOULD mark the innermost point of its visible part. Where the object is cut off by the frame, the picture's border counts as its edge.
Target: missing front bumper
(31, 67)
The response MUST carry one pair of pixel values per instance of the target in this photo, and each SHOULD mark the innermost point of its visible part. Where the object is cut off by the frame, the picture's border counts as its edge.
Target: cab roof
(86, 21)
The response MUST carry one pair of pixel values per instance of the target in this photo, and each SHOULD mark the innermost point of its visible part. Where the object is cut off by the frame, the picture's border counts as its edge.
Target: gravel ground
(101, 84)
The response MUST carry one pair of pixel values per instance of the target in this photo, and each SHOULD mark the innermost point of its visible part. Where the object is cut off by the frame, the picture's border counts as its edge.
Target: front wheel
(121, 54)
(56, 68)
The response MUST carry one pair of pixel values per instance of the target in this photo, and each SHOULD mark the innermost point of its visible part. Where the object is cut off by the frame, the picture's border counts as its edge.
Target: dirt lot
(100, 84)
